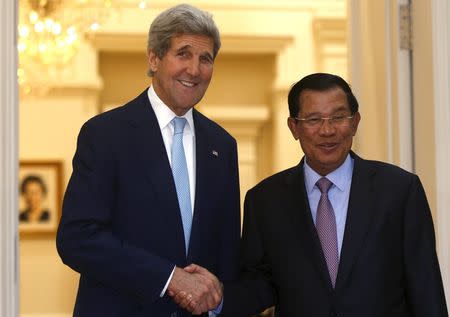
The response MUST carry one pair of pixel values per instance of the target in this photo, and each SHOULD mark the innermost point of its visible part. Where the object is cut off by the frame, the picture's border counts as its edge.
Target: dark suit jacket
(388, 264)
(121, 227)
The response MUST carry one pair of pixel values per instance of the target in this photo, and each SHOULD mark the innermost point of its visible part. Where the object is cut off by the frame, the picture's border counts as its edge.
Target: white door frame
(9, 277)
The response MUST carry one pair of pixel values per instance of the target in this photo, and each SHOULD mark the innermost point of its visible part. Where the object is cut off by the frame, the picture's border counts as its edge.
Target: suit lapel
(152, 154)
(204, 181)
(359, 216)
(303, 224)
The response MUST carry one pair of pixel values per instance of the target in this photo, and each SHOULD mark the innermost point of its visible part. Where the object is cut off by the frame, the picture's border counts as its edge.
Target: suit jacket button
(174, 314)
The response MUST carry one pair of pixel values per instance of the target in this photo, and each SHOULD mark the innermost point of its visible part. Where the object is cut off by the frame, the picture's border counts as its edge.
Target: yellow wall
(48, 129)
(132, 67)
(241, 80)
(369, 81)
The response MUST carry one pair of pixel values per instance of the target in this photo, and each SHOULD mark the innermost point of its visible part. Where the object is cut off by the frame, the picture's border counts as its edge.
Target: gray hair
(179, 20)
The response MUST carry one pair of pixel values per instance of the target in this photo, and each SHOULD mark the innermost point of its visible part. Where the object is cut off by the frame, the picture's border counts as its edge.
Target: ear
(292, 124)
(356, 119)
(153, 61)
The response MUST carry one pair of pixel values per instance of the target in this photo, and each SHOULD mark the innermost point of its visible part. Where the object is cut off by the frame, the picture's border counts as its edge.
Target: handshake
(195, 289)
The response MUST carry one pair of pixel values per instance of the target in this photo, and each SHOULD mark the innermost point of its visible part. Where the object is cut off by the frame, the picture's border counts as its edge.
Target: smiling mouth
(187, 83)
(328, 146)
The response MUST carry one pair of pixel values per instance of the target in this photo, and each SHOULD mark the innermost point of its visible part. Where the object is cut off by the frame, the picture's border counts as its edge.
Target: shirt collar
(165, 115)
(339, 177)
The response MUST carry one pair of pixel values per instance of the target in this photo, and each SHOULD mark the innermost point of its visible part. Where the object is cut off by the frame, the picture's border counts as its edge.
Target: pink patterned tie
(326, 229)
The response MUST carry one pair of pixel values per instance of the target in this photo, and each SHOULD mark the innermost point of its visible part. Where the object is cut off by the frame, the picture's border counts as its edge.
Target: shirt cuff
(167, 285)
(216, 311)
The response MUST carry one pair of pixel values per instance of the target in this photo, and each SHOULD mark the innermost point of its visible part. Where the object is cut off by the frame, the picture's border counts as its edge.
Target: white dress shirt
(165, 115)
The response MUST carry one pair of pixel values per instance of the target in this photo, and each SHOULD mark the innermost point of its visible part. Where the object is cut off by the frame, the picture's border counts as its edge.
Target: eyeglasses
(336, 121)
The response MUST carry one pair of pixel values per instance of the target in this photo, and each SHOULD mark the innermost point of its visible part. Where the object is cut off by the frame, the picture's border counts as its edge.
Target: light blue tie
(181, 178)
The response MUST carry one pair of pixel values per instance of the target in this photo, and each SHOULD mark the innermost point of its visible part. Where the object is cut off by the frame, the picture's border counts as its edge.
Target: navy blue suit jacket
(121, 227)
(388, 265)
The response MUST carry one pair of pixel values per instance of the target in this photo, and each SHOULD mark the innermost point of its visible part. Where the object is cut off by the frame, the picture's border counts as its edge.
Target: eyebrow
(184, 47)
(187, 46)
(343, 108)
(340, 109)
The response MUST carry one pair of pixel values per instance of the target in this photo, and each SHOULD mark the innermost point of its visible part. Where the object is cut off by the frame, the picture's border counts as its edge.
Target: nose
(326, 128)
(193, 67)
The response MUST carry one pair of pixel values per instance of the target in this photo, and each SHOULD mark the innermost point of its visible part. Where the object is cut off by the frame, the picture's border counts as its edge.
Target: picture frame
(40, 196)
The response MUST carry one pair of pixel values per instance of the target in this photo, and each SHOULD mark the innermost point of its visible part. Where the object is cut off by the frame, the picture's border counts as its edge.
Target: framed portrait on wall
(40, 199)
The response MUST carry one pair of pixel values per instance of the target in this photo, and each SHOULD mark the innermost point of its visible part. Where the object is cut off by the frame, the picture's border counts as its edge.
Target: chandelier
(49, 35)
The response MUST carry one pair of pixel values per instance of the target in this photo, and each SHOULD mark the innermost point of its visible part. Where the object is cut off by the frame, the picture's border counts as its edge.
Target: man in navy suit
(122, 226)
(336, 235)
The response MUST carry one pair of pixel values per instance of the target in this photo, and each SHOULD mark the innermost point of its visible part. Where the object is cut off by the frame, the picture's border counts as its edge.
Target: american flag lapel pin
(215, 153)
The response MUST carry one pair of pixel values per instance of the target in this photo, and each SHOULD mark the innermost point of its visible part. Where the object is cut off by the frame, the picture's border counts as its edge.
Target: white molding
(239, 120)
(441, 71)
(9, 160)
(388, 30)
(404, 101)
(398, 77)
(108, 41)
(405, 112)
(330, 41)
(247, 113)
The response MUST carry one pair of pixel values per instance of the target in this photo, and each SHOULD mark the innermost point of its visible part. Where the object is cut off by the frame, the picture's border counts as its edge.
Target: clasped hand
(195, 289)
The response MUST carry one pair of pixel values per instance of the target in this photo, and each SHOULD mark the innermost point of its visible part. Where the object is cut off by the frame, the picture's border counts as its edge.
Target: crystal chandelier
(49, 35)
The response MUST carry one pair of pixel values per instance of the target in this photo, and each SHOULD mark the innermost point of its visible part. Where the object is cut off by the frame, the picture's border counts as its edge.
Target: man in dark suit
(155, 188)
(336, 235)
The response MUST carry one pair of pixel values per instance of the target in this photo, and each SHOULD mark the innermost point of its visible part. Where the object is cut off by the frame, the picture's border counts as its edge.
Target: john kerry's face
(325, 143)
(183, 74)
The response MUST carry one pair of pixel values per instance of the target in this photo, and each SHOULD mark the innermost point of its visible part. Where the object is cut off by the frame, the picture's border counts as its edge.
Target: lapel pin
(215, 153)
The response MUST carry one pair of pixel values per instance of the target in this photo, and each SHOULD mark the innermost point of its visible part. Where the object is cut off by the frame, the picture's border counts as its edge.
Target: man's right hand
(195, 289)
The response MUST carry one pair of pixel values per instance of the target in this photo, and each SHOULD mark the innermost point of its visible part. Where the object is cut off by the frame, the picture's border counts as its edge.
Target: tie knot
(178, 123)
(324, 185)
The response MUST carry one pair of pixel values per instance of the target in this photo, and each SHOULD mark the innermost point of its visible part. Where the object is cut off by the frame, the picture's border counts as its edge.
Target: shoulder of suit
(109, 124)
(385, 169)
(278, 179)
(118, 114)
